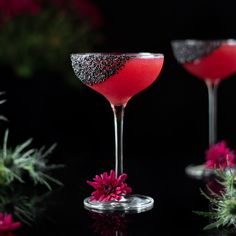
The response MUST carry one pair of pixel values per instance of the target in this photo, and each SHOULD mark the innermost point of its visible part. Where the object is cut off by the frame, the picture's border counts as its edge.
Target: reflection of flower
(214, 186)
(108, 187)
(109, 224)
(219, 156)
(40, 34)
(6, 223)
(6, 234)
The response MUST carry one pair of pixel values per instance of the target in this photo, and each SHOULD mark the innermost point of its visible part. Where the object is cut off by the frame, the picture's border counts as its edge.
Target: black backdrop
(166, 125)
(172, 111)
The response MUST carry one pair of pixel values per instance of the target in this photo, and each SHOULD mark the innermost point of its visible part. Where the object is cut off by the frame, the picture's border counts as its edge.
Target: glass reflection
(109, 224)
(24, 204)
(218, 232)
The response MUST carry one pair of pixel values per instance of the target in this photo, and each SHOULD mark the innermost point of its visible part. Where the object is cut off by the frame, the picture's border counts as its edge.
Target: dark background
(166, 125)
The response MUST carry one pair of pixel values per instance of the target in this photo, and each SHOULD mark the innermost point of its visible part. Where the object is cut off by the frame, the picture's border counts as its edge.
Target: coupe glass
(118, 76)
(211, 61)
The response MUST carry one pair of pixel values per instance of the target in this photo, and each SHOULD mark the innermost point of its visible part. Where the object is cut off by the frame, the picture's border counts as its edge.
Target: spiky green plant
(222, 205)
(27, 206)
(22, 160)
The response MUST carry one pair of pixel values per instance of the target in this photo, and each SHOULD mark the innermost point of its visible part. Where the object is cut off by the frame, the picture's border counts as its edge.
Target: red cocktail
(217, 65)
(118, 77)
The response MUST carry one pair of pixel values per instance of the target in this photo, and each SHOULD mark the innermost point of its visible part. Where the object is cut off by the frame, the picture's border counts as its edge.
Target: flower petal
(121, 178)
(112, 175)
(93, 184)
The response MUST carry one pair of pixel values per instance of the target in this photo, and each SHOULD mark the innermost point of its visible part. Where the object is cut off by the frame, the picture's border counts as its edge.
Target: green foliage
(16, 163)
(30, 43)
(222, 205)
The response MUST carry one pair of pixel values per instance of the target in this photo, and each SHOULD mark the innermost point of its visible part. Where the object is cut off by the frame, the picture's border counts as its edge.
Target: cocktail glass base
(129, 204)
(198, 171)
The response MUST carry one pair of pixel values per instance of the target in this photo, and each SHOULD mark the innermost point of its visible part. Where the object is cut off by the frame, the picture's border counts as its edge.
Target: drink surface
(217, 65)
(136, 75)
(118, 77)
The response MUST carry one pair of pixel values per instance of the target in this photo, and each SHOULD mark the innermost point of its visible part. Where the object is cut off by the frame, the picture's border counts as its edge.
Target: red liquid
(136, 75)
(218, 65)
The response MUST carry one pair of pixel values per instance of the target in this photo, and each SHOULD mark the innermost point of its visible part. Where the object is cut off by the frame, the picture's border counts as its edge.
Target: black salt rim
(94, 68)
(189, 50)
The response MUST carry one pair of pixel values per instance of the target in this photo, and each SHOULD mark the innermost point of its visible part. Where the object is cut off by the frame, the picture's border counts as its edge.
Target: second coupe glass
(211, 61)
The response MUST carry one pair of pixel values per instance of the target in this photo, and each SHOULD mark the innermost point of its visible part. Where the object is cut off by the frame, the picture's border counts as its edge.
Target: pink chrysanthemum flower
(108, 187)
(6, 223)
(219, 156)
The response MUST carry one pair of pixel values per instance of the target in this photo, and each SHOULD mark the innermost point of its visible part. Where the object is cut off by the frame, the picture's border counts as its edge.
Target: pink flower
(219, 156)
(6, 223)
(108, 187)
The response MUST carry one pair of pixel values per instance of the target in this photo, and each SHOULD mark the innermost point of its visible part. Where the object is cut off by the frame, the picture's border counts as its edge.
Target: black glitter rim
(94, 68)
(130, 54)
(189, 50)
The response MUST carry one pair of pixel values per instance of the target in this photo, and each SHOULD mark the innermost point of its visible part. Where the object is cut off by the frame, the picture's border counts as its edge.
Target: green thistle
(228, 180)
(223, 205)
(16, 163)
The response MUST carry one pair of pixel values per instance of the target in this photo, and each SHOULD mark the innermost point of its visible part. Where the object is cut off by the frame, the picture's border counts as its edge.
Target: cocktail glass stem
(212, 107)
(118, 112)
